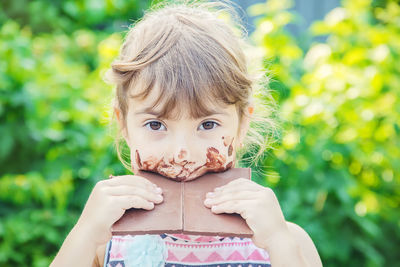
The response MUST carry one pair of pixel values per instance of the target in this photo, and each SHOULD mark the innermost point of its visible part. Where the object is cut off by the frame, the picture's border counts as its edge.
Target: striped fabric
(191, 250)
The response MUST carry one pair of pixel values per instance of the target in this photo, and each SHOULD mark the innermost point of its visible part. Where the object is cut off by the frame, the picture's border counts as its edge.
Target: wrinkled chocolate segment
(183, 211)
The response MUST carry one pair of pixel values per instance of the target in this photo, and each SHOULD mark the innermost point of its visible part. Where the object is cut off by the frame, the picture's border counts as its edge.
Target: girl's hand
(258, 205)
(109, 200)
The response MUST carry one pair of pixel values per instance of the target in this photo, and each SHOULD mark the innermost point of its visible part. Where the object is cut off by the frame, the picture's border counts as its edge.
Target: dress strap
(107, 255)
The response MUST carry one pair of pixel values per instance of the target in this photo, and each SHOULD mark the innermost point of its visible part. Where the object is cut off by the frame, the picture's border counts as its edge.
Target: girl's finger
(152, 195)
(137, 202)
(133, 180)
(226, 197)
(239, 183)
(233, 206)
(235, 188)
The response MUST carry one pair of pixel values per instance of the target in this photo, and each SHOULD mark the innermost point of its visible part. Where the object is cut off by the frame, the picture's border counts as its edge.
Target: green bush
(67, 16)
(54, 114)
(338, 161)
(54, 144)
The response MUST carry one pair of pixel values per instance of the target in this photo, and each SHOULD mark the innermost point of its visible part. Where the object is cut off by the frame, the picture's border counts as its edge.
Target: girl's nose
(179, 147)
(181, 155)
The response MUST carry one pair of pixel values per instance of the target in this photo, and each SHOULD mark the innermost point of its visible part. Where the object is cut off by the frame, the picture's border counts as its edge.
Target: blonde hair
(195, 58)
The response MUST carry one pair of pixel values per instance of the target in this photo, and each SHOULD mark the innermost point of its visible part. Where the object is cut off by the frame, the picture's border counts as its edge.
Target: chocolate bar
(183, 210)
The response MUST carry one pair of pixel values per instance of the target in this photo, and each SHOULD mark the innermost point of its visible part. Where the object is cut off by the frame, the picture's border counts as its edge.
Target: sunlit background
(334, 72)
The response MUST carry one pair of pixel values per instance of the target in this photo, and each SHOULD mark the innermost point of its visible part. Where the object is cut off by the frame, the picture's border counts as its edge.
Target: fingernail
(207, 201)
(158, 190)
(210, 195)
(217, 189)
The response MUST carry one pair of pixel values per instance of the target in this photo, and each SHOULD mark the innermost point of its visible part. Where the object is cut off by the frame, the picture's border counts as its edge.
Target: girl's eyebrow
(150, 111)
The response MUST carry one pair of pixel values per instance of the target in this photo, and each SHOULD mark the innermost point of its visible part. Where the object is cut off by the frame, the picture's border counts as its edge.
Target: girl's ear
(121, 124)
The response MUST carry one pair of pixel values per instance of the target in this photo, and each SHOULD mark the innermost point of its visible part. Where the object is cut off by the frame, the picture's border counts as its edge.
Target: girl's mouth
(185, 171)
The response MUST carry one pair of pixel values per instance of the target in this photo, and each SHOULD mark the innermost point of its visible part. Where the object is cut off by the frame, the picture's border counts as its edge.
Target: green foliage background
(335, 169)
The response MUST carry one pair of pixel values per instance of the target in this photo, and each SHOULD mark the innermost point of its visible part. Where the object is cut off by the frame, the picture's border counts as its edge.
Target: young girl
(183, 105)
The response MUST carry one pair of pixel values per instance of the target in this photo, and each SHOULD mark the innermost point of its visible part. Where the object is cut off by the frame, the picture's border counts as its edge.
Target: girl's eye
(155, 125)
(208, 125)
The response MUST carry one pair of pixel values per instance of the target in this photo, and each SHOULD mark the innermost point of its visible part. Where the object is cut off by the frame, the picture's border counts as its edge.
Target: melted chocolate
(229, 165)
(137, 158)
(182, 154)
(230, 149)
(179, 171)
(214, 159)
(169, 169)
(228, 140)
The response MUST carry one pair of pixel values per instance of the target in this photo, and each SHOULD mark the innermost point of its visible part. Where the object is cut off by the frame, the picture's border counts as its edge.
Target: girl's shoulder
(184, 250)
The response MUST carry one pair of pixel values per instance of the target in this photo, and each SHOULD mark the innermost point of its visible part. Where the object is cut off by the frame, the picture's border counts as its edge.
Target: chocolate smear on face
(230, 148)
(227, 140)
(182, 154)
(171, 169)
(229, 165)
(151, 164)
(214, 159)
(180, 172)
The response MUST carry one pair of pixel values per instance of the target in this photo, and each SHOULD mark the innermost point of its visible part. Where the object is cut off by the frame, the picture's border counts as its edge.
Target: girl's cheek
(221, 158)
(143, 162)
(136, 163)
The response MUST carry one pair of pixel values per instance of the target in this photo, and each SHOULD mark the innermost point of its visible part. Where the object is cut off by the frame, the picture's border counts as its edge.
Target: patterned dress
(190, 250)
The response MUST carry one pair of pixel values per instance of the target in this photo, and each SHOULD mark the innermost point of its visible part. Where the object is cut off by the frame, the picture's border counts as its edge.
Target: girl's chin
(181, 175)
(186, 175)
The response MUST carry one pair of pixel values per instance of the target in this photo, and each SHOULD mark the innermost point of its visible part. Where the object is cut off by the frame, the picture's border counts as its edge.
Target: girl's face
(184, 148)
